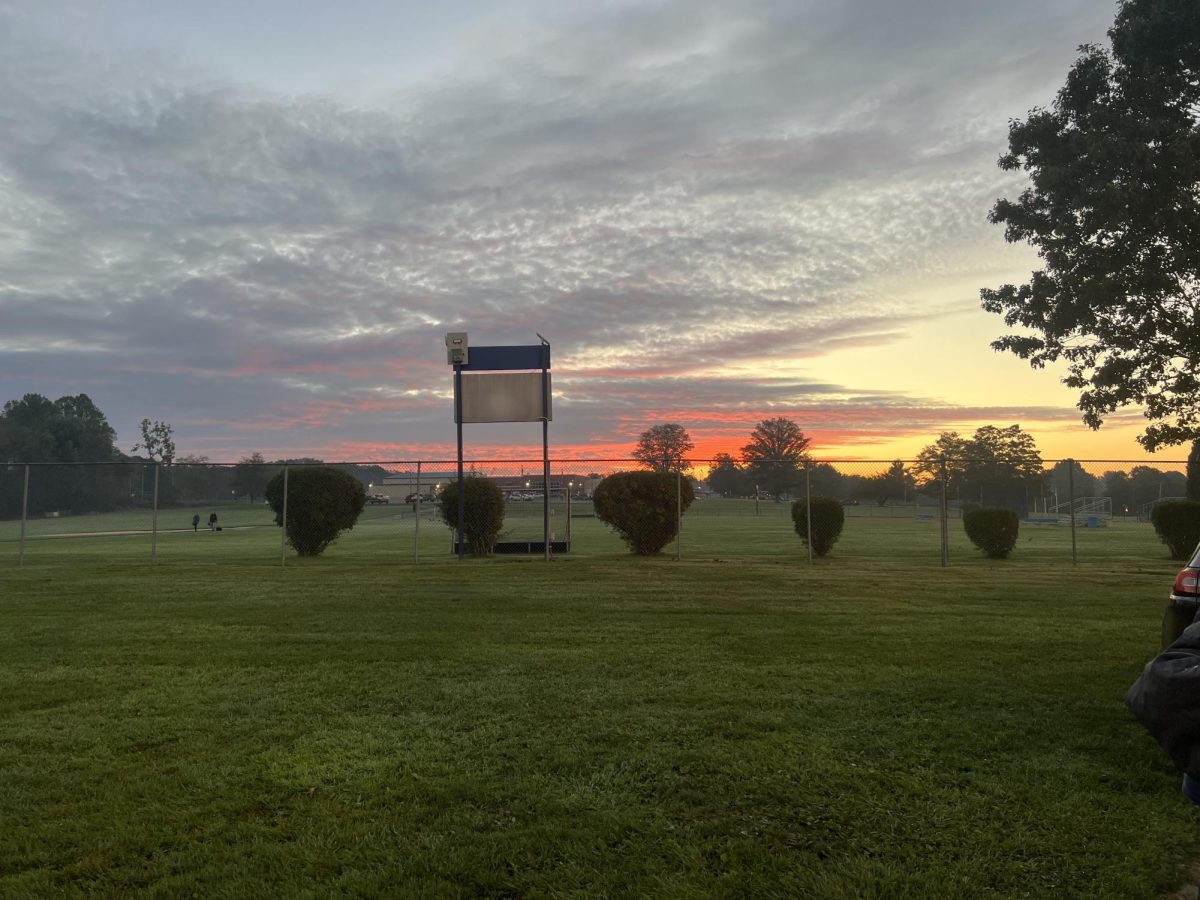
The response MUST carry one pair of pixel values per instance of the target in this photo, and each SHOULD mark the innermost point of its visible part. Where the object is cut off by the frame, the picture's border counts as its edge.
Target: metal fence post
(462, 490)
(1071, 499)
(417, 523)
(678, 513)
(546, 485)
(24, 515)
(944, 513)
(154, 520)
(808, 507)
(283, 522)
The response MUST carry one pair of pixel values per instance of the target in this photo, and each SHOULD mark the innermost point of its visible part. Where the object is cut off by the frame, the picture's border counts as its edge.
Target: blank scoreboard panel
(506, 397)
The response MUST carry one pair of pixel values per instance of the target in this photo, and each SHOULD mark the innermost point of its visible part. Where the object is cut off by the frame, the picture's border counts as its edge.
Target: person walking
(196, 522)
(212, 521)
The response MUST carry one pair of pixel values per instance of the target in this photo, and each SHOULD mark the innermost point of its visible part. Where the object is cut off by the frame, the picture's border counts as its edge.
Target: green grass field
(738, 723)
(712, 528)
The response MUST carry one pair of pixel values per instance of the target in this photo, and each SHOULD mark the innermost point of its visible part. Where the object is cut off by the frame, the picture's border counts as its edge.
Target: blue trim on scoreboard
(503, 359)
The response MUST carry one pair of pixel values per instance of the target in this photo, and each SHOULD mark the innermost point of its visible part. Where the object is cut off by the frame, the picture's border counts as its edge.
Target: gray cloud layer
(269, 271)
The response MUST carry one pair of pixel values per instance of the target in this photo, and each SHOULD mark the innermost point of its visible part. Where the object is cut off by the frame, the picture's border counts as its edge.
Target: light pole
(570, 490)
(457, 356)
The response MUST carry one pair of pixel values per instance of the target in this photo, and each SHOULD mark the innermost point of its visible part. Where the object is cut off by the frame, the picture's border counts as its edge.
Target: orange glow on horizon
(1054, 442)
(838, 431)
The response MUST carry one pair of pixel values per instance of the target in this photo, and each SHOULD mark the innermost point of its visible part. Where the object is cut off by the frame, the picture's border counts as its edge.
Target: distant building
(399, 485)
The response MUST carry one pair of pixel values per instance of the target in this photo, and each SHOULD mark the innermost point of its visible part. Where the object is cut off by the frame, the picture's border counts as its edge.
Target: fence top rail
(554, 461)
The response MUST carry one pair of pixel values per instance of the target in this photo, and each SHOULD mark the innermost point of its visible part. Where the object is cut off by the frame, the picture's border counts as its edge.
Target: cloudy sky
(257, 221)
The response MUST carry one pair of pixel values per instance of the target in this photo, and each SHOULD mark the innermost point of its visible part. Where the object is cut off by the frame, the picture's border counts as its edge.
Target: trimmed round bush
(483, 512)
(322, 502)
(641, 507)
(1177, 523)
(828, 517)
(992, 530)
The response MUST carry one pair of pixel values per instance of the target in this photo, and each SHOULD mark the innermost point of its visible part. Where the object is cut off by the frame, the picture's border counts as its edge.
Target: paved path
(74, 534)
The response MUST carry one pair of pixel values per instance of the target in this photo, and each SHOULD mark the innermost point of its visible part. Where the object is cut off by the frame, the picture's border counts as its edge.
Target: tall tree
(157, 440)
(1134, 491)
(192, 478)
(825, 481)
(27, 430)
(251, 475)
(895, 483)
(1113, 207)
(777, 448)
(70, 429)
(1116, 487)
(1151, 483)
(1193, 472)
(995, 466)
(1066, 475)
(951, 450)
(1005, 454)
(725, 476)
(664, 448)
(81, 431)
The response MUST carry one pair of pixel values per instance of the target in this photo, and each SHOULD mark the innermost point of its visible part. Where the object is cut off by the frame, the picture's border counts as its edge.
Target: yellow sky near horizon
(948, 360)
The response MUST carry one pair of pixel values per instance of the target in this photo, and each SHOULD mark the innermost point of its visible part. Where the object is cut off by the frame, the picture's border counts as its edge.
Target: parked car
(376, 499)
(1184, 602)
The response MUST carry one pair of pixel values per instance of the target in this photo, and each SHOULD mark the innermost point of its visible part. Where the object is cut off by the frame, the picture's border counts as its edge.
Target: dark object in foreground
(1166, 700)
(1191, 788)
(1175, 620)
(1184, 601)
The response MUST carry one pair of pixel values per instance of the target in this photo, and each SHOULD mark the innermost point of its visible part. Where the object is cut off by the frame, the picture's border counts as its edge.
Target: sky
(257, 221)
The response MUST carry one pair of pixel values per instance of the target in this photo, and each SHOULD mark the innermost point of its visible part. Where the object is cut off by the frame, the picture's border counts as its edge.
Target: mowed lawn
(711, 529)
(738, 723)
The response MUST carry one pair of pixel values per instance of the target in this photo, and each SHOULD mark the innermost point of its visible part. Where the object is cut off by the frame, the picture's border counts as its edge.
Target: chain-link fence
(1069, 510)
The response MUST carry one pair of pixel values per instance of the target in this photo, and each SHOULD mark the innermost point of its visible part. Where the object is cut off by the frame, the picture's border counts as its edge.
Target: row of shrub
(642, 507)
(819, 524)
(994, 531)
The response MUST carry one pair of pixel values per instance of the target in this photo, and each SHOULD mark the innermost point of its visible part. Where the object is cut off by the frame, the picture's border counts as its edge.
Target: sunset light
(267, 256)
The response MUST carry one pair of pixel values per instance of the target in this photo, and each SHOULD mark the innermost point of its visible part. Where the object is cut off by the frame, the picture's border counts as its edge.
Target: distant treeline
(94, 476)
